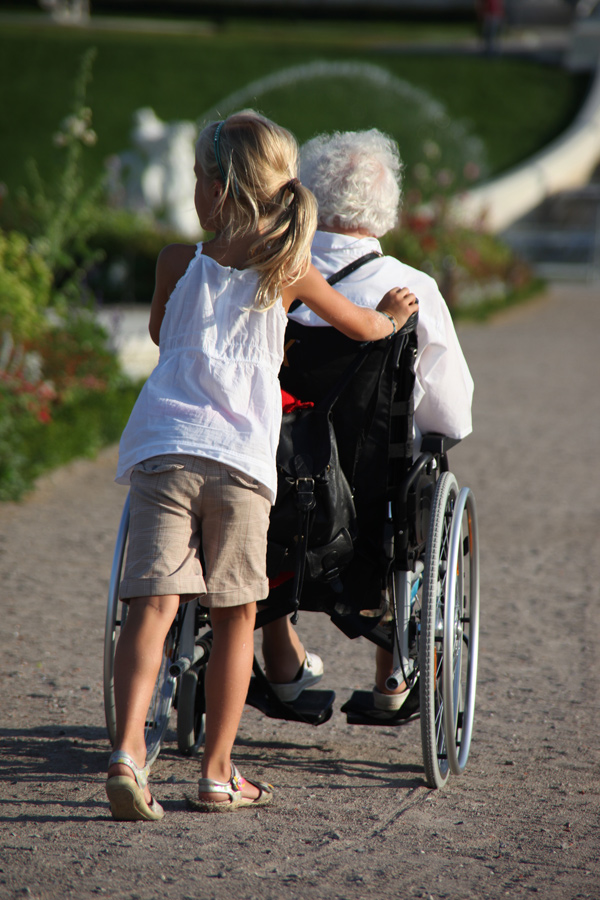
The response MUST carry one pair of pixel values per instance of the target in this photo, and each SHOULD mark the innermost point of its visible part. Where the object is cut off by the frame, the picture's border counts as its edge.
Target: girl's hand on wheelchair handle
(400, 304)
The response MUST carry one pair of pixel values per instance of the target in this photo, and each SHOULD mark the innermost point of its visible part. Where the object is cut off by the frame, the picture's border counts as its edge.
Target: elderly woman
(356, 178)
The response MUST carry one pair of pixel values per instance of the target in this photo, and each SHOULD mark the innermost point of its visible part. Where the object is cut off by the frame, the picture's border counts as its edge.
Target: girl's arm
(171, 264)
(356, 322)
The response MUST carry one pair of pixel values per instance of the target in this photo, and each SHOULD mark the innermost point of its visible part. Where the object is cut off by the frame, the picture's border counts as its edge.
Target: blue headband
(217, 150)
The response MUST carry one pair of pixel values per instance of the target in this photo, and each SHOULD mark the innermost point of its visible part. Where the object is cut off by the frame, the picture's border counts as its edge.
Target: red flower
(418, 223)
(428, 242)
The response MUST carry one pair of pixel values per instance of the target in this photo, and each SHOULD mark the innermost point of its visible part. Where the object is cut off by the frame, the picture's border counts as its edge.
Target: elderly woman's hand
(399, 304)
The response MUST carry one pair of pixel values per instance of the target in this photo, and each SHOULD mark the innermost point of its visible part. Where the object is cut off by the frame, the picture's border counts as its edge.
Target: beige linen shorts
(197, 528)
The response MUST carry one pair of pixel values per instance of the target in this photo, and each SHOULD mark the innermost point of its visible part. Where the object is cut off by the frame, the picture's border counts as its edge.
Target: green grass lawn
(515, 106)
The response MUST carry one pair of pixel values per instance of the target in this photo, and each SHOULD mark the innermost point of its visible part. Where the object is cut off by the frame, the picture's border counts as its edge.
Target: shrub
(475, 270)
(75, 355)
(25, 288)
(62, 392)
(80, 427)
(60, 217)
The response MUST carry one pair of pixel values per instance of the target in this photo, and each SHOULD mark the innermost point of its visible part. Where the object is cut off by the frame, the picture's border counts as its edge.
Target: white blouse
(443, 386)
(215, 390)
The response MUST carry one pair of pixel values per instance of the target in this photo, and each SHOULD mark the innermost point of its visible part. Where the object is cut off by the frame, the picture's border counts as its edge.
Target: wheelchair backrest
(373, 414)
(373, 421)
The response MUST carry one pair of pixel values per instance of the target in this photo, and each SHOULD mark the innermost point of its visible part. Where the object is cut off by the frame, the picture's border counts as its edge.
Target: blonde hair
(257, 162)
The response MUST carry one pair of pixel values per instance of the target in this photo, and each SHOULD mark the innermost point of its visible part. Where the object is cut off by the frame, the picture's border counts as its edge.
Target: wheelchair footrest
(360, 710)
(312, 707)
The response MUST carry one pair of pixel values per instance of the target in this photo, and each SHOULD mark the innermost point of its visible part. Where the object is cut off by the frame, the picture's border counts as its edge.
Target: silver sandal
(126, 796)
(233, 788)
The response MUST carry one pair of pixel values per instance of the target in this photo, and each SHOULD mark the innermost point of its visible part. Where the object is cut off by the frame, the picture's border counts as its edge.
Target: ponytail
(281, 255)
(256, 160)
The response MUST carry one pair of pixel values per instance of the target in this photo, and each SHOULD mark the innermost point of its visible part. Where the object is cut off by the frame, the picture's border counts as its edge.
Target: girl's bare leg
(283, 651)
(226, 686)
(137, 662)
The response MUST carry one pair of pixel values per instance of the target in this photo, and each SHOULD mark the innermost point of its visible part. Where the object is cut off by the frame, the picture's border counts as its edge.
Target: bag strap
(353, 266)
(347, 270)
(305, 504)
(305, 498)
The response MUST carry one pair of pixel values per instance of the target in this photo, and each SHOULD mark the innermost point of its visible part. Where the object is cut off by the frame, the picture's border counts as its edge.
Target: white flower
(32, 366)
(421, 172)
(431, 150)
(89, 137)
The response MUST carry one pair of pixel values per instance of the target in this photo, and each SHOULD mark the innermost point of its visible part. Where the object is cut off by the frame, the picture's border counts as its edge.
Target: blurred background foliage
(515, 106)
(67, 102)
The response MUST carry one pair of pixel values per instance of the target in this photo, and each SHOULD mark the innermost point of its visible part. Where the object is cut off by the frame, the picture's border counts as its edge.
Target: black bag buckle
(305, 488)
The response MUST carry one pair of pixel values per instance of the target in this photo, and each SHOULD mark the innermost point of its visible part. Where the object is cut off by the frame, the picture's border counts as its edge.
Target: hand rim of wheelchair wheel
(461, 633)
(435, 757)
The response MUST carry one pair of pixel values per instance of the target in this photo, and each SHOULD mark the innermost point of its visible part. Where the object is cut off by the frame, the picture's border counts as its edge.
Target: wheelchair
(410, 587)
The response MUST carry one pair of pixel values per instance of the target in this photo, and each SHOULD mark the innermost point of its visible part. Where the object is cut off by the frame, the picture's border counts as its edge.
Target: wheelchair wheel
(164, 689)
(191, 705)
(431, 643)
(461, 631)
(191, 709)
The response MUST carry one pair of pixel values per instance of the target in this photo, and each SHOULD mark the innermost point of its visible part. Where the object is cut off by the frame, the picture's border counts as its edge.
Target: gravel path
(352, 817)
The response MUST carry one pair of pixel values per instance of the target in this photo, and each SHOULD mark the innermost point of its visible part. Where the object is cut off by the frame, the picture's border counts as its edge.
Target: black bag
(313, 522)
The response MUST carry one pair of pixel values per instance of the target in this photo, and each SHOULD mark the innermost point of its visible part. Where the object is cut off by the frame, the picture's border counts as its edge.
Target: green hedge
(514, 105)
(79, 428)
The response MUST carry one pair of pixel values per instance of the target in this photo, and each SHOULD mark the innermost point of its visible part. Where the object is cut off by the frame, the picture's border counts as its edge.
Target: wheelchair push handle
(184, 663)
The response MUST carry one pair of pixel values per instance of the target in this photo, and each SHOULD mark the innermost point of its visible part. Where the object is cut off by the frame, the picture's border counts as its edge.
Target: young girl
(199, 448)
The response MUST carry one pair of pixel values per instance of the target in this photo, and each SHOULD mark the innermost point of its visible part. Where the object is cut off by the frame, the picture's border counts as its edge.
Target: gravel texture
(352, 817)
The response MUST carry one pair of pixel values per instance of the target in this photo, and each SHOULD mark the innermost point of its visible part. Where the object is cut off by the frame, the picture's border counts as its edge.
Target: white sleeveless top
(215, 390)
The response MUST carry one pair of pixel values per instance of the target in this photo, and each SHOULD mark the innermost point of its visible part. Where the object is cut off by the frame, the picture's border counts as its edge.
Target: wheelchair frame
(428, 616)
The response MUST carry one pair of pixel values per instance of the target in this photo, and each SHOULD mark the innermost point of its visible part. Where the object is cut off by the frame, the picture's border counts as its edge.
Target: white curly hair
(356, 177)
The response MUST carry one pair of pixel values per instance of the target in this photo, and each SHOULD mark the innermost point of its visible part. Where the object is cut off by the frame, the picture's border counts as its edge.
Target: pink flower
(445, 177)
(46, 391)
(471, 171)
